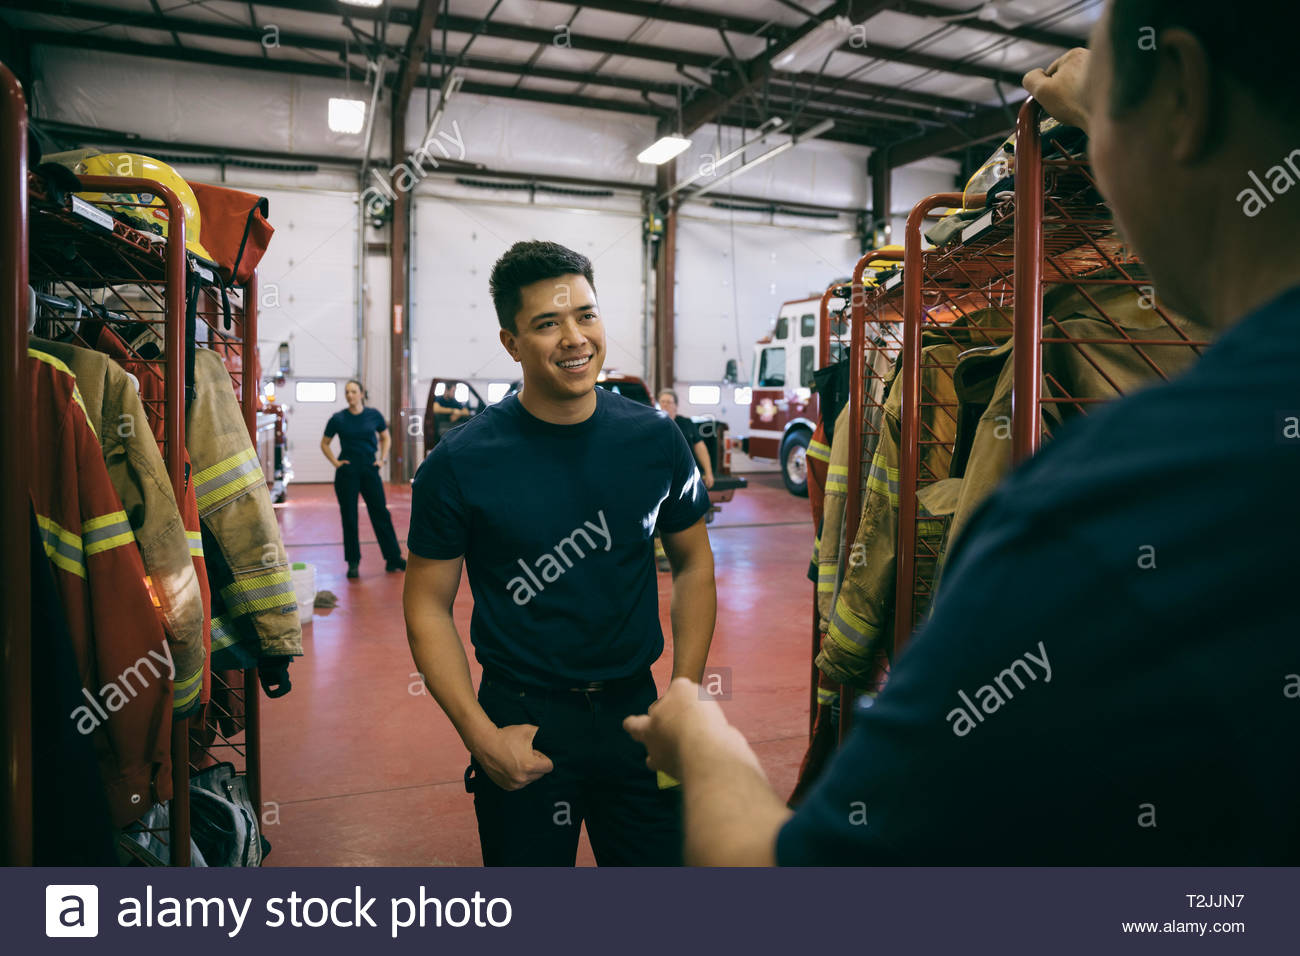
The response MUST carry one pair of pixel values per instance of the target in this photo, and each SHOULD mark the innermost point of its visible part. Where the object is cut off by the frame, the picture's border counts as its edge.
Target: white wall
(913, 183)
(731, 281)
(458, 237)
(308, 295)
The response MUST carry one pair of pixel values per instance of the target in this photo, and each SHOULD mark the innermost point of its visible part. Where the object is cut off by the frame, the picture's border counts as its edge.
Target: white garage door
(308, 282)
(454, 328)
(731, 283)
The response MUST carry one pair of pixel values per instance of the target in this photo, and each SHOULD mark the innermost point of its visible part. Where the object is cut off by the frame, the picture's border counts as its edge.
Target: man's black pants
(350, 479)
(600, 776)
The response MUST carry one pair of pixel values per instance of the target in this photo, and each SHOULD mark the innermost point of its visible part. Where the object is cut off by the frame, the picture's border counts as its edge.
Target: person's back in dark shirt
(1117, 633)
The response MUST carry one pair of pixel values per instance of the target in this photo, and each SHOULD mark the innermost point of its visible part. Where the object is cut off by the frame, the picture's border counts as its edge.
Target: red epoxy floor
(361, 768)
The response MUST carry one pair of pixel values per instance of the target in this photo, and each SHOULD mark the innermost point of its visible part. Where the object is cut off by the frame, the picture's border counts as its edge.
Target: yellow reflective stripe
(62, 547)
(49, 359)
(261, 592)
(227, 478)
(850, 632)
(185, 690)
(825, 696)
(102, 521)
(232, 488)
(261, 581)
(57, 530)
(275, 602)
(883, 480)
(196, 543)
(108, 544)
(819, 451)
(226, 634)
(105, 532)
(223, 466)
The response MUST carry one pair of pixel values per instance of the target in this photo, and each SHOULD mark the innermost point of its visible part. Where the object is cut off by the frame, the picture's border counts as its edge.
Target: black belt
(590, 687)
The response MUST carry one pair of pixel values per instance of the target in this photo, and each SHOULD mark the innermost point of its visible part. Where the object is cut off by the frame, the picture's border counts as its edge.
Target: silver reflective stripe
(90, 538)
(58, 545)
(242, 596)
(210, 487)
(881, 474)
(223, 635)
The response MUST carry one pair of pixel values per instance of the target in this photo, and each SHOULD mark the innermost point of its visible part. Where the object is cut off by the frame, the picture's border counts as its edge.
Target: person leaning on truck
(691, 432)
(550, 499)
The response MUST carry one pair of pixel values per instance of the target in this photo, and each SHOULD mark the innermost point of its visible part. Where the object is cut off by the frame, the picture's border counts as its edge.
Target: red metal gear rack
(940, 286)
(936, 287)
(1054, 229)
(15, 576)
(85, 254)
(1065, 235)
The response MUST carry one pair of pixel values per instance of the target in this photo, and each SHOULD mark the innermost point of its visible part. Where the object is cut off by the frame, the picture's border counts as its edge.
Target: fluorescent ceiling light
(813, 47)
(362, 3)
(663, 149)
(347, 116)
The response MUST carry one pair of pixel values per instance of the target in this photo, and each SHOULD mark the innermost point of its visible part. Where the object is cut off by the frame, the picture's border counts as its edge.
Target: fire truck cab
(783, 409)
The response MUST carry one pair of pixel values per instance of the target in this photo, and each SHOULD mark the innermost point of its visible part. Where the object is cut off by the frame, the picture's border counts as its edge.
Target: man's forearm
(440, 658)
(732, 815)
(694, 610)
(702, 456)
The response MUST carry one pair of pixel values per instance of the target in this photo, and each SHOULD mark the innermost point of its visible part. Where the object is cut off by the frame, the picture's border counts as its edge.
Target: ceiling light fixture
(813, 47)
(663, 149)
(363, 3)
(347, 116)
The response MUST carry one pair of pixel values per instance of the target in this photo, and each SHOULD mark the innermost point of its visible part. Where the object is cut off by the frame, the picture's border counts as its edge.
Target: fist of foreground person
(1062, 88)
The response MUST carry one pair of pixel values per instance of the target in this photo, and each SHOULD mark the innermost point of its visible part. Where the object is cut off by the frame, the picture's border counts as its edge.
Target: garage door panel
(308, 283)
(454, 327)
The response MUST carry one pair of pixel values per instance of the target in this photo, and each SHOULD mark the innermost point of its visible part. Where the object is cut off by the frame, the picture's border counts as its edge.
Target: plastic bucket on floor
(304, 586)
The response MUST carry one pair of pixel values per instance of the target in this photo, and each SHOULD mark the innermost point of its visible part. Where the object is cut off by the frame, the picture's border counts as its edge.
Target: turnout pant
(600, 776)
(354, 478)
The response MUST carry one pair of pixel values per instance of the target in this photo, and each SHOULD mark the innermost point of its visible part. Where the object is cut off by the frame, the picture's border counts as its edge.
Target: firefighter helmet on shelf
(143, 211)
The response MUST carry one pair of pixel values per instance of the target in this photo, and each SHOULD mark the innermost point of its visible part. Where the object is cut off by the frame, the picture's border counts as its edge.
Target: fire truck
(783, 408)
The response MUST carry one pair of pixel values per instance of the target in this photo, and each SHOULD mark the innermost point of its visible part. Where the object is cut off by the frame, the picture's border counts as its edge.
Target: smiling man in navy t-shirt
(551, 499)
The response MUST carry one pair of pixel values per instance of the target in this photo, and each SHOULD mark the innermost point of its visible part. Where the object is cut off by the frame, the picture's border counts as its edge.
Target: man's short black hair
(1254, 43)
(525, 263)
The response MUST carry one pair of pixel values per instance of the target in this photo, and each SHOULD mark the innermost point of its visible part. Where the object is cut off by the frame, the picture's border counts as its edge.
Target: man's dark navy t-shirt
(1147, 557)
(358, 434)
(556, 523)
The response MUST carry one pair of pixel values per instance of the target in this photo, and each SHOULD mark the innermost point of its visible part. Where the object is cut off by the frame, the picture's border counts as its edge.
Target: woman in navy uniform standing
(363, 450)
